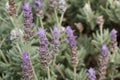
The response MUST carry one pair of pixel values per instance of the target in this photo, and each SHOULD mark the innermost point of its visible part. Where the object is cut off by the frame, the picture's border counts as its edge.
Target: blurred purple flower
(71, 41)
(91, 74)
(103, 59)
(104, 51)
(55, 40)
(62, 6)
(113, 35)
(26, 67)
(28, 21)
(45, 57)
(38, 6)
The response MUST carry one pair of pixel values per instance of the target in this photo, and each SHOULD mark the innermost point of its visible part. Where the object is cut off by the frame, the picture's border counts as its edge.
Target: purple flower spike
(104, 51)
(103, 59)
(38, 6)
(25, 58)
(45, 57)
(113, 41)
(113, 35)
(55, 40)
(91, 74)
(71, 40)
(26, 67)
(28, 21)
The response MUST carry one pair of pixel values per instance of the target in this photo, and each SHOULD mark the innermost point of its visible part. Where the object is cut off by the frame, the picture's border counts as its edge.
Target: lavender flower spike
(103, 58)
(12, 8)
(91, 74)
(62, 6)
(28, 21)
(55, 40)
(71, 40)
(45, 57)
(26, 68)
(38, 6)
(104, 51)
(113, 35)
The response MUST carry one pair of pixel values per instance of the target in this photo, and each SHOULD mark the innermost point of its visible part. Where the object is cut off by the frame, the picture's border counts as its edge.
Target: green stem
(101, 32)
(61, 19)
(48, 73)
(41, 23)
(56, 16)
(74, 72)
(58, 69)
(12, 20)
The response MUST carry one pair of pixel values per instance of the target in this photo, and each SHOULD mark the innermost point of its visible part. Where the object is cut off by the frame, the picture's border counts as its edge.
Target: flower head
(28, 21)
(55, 40)
(104, 51)
(27, 71)
(45, 57)
(12, 8)
(113, 35)
(103, 61)
(91, 74)
(38, 6)
(71, 39)
(62, 6)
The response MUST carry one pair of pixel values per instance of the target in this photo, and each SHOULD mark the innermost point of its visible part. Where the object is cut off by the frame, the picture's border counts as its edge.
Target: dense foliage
(59, 40)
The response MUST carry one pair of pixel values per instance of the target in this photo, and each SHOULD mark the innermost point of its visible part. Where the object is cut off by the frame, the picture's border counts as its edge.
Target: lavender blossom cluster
(45, 57)
(71, 41)
(38, 6)
(28, 21)
(26, 67)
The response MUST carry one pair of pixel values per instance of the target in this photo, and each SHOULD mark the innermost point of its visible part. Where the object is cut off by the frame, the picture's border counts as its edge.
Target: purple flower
(71, 39)
(45, 57)
(26, 67)
(28, 21)
(91, 74)
(62, 6)
(38, 6)
(55, 40)
(103, 61)
(104, 51)
(113, 35)
(25, 58)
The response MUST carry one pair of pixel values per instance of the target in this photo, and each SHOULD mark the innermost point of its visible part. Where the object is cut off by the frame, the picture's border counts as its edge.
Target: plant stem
(74, 72)
(56, 16)
(101, 32)
(61, 19)
(41, 23)
(48, 73)
(58, 69)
